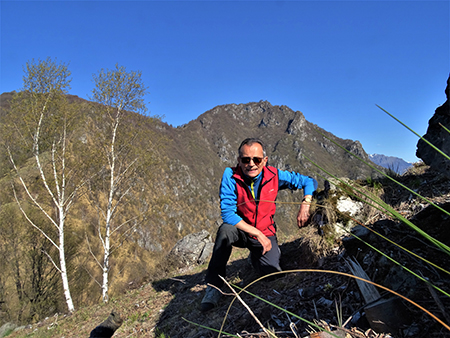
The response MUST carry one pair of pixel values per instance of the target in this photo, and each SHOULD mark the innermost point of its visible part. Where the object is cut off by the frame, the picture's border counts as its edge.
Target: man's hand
(252, 231)
(265, 242)
(303, 214)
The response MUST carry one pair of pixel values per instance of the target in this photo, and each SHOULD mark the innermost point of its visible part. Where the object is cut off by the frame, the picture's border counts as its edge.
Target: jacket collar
(267, 173)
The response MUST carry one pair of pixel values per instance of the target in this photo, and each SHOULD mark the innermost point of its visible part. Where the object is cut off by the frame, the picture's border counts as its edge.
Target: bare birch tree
(43, 125)
(118, 92)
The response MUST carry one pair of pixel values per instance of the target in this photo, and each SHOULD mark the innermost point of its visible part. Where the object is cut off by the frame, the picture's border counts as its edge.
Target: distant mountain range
(390, 162)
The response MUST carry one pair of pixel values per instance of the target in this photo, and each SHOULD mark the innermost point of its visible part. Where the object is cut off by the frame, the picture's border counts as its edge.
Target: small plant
(415, 183)
(373, 183)
(328, 287)
(8, 332)
(134, 317)
(160, 335)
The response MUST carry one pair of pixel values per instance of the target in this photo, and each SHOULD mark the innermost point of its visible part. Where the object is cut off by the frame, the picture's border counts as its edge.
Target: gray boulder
(191, 250)
(6, 329)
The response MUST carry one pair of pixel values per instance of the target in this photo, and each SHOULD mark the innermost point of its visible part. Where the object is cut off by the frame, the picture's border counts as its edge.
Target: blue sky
(331, 60)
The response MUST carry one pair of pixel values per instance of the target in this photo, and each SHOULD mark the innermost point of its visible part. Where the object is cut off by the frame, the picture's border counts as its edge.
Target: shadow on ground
(283, 291)
(313, 295)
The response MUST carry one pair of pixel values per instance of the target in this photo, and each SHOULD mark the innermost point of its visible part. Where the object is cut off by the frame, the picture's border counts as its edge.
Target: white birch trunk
(106, 253)
(109, 211)
(62, 262)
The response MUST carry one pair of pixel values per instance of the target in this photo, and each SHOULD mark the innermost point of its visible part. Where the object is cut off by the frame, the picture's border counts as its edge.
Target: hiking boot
(211, 299)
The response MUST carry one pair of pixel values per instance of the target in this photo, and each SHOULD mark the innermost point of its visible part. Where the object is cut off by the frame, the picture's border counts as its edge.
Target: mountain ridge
(396, 164)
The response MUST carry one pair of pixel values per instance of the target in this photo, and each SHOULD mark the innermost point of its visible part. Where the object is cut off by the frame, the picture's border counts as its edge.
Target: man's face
(249, 155)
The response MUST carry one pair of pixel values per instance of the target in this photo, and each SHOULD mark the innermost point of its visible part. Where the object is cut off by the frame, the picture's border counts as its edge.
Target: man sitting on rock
(247, 200)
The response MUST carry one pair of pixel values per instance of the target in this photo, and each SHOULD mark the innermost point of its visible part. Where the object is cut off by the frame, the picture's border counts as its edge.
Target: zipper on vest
(257, 202)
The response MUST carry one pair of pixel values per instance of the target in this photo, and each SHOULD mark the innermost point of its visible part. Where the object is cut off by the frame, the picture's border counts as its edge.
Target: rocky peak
(439, 137)
(289, 138)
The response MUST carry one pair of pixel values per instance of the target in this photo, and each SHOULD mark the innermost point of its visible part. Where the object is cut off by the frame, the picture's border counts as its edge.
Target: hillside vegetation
(178, 190)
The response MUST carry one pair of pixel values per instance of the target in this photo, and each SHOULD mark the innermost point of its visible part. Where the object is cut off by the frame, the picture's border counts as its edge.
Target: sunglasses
(256, 160)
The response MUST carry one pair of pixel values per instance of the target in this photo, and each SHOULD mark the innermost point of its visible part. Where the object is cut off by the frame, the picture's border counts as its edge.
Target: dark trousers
(229, 236)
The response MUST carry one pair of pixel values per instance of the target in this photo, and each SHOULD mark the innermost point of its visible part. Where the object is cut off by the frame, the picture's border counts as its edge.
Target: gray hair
(250, 141)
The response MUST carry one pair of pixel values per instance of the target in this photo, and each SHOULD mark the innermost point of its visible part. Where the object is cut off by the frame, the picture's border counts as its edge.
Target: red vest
(258, 213)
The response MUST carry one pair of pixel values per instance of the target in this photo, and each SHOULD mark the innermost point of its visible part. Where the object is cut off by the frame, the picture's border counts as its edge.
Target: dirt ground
(310, 295)
(313, 295)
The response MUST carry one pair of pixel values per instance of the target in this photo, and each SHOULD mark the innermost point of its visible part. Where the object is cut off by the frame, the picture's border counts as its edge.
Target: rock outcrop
(439, 137)
(191, 250)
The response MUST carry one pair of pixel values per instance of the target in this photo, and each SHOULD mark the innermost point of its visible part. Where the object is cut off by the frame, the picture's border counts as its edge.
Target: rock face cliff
(439, 137)
(289, 137)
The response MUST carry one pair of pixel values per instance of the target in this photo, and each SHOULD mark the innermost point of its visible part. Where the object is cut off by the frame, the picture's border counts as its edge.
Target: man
(247, 201)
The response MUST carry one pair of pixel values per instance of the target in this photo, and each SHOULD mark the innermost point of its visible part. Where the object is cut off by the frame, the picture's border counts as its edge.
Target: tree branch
(51, 260)
(90, 250)
(29, 194)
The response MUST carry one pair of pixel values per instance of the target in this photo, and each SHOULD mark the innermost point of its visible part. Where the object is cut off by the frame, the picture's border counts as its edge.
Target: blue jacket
(228, 190)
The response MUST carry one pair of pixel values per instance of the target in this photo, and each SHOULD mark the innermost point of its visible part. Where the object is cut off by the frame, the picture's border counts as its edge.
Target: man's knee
(226, 228)
(270, 262)
(227, 232)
